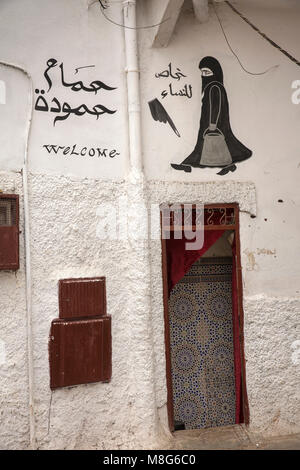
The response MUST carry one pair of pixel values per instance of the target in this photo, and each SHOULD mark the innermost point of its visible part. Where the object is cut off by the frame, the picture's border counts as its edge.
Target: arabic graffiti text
(172, 74)
(63, 109)
(169, 73)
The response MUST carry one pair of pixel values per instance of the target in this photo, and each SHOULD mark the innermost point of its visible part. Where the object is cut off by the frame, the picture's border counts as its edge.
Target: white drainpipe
(133, 87)
(28, 261)
(140, 257)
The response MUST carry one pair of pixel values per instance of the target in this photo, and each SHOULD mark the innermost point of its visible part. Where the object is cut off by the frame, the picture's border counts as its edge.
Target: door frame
(232, 225)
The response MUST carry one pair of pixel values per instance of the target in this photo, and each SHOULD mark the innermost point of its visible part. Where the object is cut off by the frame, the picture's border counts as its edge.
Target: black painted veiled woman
(216, 145)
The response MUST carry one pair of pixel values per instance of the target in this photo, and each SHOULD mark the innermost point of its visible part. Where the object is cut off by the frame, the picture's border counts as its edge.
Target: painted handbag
(214, 151)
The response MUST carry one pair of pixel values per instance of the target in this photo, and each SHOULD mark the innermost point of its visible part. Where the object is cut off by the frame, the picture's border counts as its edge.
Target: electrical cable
(233, 52)
(283, 51)
(102, 8)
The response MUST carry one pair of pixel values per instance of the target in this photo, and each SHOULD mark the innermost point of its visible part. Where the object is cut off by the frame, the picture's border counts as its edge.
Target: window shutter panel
(83, 297)
(80, 340)
(80, 352)
(9, 231)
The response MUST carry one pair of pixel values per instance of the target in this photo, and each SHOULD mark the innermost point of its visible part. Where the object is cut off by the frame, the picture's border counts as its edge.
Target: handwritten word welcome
(83, 151)
(41, 103)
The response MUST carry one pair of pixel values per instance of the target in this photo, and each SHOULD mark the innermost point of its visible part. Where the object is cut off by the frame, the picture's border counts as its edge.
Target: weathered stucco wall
(67, 245)
(271, 334)
(122, 412)
(68, 193)
(14, 418)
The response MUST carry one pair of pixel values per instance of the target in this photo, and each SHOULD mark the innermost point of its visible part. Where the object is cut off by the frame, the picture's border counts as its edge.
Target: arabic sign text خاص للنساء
(186, 91)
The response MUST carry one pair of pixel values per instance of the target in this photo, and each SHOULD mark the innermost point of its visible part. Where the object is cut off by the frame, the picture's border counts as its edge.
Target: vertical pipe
(29, 303)
(139, 302)
(133, 86)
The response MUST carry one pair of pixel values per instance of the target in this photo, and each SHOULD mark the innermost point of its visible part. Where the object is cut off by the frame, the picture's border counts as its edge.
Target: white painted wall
(14, 113)
(66, 191)
(75, 34)
(262, 116)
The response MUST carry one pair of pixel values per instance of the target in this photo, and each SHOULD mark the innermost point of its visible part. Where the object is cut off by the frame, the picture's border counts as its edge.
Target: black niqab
(212, 64)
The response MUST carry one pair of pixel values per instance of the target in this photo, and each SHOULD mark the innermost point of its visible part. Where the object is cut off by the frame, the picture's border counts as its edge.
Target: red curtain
(236, 340)
(180, 260)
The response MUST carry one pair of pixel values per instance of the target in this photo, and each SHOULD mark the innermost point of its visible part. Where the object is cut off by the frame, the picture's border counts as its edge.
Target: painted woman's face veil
(211, 71)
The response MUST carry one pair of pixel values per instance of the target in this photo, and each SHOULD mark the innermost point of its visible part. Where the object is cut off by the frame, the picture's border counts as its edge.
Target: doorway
(204, 323)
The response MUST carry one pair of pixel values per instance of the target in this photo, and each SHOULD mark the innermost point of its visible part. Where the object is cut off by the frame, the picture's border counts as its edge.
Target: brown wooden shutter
(9, 231)
(83, 297)
(80, 352)
(80, 340)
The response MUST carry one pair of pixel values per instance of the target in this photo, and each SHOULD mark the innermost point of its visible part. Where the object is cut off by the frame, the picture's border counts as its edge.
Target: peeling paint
(265, 251)
(251, 264)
